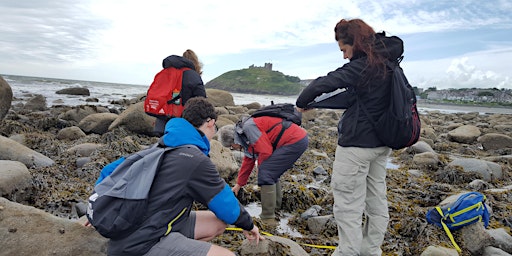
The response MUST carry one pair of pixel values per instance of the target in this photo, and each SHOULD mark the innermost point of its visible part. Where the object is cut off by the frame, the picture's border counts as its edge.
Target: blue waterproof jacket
(186, 175)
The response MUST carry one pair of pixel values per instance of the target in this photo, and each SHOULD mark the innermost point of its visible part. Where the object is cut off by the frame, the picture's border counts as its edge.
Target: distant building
(267, 66)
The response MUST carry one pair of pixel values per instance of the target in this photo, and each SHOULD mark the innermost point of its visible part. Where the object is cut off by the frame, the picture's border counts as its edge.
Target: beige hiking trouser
(359, 185)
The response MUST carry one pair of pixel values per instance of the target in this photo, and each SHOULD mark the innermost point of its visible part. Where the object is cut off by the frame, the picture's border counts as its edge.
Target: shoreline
(457, 108)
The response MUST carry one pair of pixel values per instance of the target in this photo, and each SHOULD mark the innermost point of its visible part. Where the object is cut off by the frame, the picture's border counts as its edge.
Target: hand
(235, 189)
(254, 235)
(302, 110)
(87, 223)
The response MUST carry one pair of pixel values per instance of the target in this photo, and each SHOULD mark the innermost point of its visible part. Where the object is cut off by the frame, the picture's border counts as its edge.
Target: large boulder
(25, 230)
(14, 178)
(220, 98)
(12, 150)
(134, 119)
(5, 97)
(492, 141)
(97, 123)
(74, 91)
(464, 134)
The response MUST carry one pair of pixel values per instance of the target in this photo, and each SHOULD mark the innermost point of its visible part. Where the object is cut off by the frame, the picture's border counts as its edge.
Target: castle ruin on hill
(267, 66)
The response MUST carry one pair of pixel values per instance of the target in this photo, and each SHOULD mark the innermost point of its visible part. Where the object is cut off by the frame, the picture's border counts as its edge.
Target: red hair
(361, 37)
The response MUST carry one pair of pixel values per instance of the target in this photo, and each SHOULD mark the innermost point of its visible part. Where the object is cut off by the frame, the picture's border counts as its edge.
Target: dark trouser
(280, 161)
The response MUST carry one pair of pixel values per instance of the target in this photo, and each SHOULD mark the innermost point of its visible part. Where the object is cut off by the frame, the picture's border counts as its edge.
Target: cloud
(125, 40)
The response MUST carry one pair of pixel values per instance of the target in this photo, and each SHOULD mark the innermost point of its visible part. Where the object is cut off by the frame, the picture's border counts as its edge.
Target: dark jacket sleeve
(192, 86)
(343, 77)
(208, 188)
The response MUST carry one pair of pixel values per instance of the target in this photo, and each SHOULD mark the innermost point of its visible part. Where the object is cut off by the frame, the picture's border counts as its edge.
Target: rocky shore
(51, 157)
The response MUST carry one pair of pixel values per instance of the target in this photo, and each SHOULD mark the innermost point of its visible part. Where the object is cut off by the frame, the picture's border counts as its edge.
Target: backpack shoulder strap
(285, 124)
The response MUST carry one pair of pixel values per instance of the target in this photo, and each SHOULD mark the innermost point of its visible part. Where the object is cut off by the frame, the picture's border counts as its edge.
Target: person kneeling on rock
(262, 139)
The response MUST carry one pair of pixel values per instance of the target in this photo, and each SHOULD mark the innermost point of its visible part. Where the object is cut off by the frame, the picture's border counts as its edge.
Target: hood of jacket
(176, 61)
(179, 131)
(391, 47)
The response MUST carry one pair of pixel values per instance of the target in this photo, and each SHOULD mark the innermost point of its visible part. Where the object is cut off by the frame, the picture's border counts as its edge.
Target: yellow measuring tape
(308, 245)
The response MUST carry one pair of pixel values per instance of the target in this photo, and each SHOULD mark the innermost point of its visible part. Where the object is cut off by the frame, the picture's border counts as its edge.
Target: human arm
(245, 171)
(343, 77)
(208, 188)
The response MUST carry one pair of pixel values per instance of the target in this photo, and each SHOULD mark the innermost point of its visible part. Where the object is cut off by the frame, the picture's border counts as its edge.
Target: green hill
(257, 80)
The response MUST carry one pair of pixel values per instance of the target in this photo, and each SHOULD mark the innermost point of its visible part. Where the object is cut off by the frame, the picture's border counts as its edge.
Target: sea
(25, 87)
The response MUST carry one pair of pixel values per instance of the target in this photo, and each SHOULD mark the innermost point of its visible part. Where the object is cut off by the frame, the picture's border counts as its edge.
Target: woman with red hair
(359, 170)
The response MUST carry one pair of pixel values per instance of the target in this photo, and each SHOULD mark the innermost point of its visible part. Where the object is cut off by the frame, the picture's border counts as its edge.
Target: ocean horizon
(25, 87)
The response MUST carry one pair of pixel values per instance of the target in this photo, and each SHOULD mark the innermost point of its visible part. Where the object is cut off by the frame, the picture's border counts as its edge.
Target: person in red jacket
(256, 136)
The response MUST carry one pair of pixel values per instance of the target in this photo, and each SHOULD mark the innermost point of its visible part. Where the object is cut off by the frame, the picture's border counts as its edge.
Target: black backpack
(118, 205)
(399, 126)
(286, 111)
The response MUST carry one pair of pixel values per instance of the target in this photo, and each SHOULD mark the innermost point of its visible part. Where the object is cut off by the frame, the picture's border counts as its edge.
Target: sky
(448, 44)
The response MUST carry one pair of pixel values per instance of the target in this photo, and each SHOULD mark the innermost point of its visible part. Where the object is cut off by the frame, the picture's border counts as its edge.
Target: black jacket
(192, 85)
(354, 128)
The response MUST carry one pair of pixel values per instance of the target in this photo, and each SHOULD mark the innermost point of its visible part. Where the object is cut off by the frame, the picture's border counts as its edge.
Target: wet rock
(319, 170)
(12, 150)
(81, 161)
(74, 91)
(79, 112)
(478, 185)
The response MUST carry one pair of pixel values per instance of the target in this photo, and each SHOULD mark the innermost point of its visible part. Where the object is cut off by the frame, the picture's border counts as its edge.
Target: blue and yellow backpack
(469, 208)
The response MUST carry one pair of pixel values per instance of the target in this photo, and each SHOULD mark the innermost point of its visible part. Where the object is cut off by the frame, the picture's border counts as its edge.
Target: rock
(479, 185)
(488, 170)
(5, 97)
(25, 230)
(492, 251)
(14, 178)
(74, 91)
(70, 133)
(36, 103)
(475, 238)
(493, 141)
(12, 150)
(420, 147)
(223, 160)
(464, 134)
(313, 211)
(78, 113)
(317, 224)
(427, 160)
(97, 123)
(84, 149)
(134, 119)
(272, 245)
(220, 98)
(253, 105)
(236, 109)
(501, 238)
(439, 251)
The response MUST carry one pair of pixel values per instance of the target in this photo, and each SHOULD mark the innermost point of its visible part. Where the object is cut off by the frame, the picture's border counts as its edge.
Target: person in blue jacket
(186, 175)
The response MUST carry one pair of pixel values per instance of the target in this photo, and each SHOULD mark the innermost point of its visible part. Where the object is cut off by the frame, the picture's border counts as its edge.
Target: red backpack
(164, 95)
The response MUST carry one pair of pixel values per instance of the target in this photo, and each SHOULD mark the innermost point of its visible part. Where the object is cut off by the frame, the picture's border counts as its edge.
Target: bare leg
(208, 226)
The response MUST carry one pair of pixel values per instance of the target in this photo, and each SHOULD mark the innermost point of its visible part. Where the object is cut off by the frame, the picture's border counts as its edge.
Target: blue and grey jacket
(186, 175)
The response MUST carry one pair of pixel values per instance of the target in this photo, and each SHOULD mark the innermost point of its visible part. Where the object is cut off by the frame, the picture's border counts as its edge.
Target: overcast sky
(448, 44)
